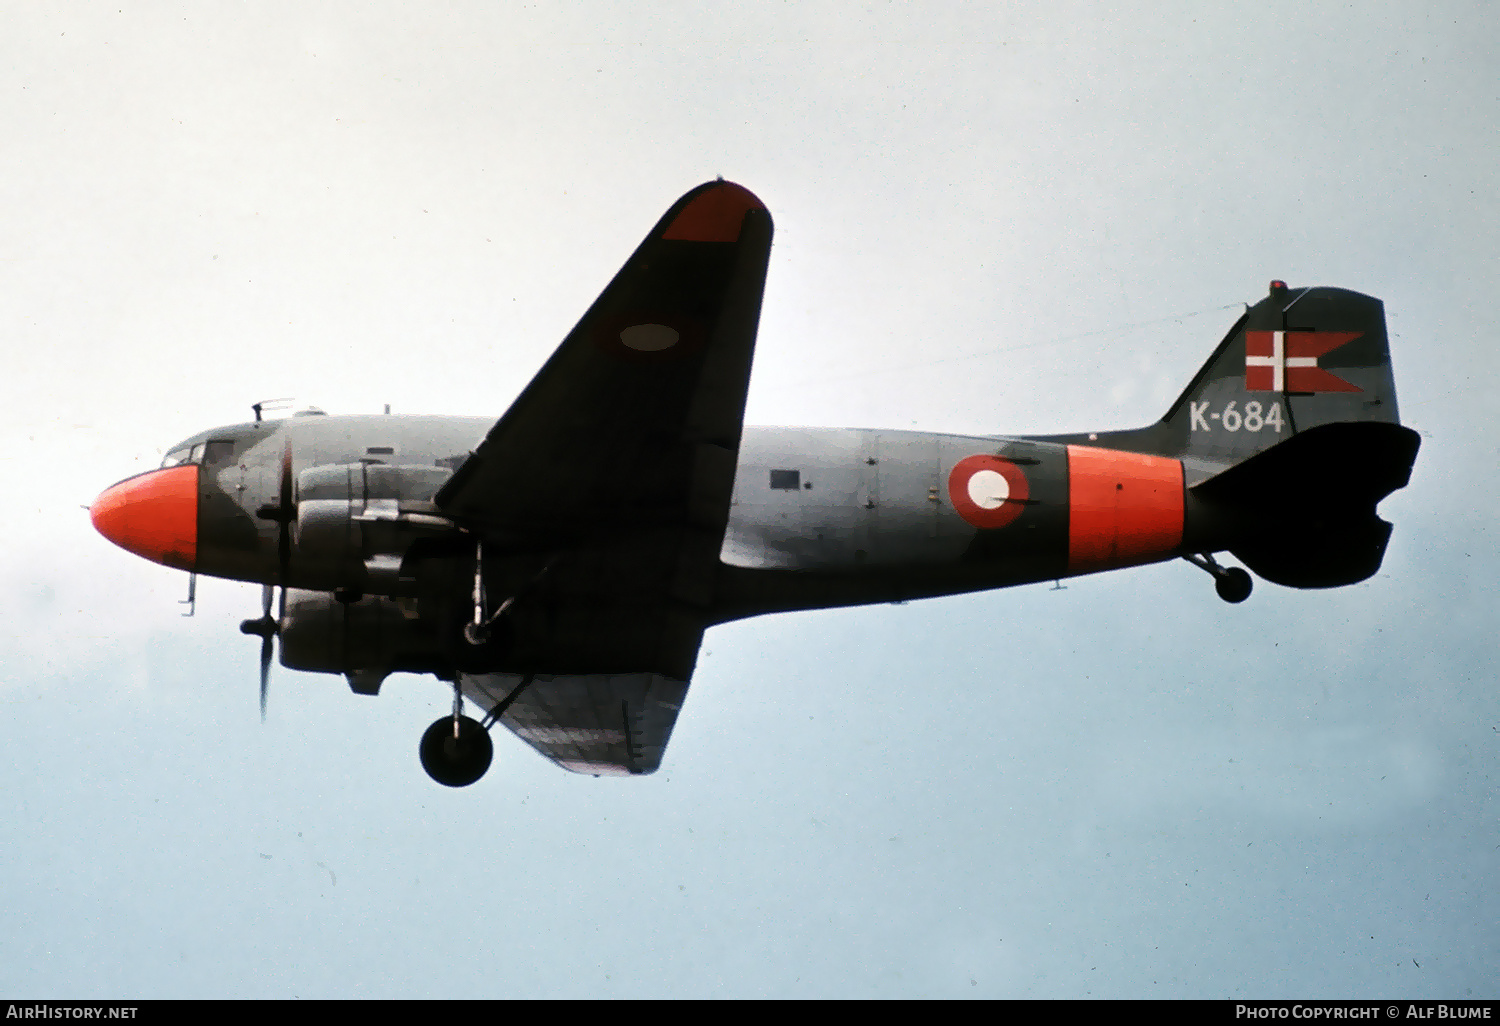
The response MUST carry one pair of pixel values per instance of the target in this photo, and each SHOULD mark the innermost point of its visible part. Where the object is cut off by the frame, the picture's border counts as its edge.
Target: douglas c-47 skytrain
(559, 566)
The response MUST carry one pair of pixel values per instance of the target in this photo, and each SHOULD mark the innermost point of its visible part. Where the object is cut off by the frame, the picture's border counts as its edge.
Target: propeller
(268, 628)
(284, 512)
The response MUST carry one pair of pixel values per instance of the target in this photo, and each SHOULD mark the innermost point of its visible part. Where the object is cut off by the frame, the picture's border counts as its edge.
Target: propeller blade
(288, 511)
(265, 671)
(284, 512)
(267, 629)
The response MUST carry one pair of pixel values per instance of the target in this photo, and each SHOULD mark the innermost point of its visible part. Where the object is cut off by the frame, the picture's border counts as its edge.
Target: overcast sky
(1041, 218)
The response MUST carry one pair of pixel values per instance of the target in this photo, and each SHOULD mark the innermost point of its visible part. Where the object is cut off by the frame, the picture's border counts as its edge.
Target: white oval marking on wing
(649, 338)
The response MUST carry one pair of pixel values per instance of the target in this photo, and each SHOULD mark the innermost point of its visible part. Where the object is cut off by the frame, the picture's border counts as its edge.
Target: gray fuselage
(819, 516)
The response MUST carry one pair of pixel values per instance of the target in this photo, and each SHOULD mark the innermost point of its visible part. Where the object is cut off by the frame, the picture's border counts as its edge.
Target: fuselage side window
(218, 451)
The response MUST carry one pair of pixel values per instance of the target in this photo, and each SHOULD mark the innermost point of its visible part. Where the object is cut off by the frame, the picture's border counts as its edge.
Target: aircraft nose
(154, 515)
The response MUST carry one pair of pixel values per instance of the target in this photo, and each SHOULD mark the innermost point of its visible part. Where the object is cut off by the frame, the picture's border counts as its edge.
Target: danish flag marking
(1287, 361)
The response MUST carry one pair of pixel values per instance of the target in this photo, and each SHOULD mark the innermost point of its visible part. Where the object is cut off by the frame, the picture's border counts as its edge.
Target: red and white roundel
(988, 491)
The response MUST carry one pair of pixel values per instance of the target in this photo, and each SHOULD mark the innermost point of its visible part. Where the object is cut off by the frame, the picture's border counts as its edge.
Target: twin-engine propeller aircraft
(559, 566)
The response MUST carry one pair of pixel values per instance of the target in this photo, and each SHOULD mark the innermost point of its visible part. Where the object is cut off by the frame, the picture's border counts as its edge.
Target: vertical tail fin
(1298, 359)
(1291, 431)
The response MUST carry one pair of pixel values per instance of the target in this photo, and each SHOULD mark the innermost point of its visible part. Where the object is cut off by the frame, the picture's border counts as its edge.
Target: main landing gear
(1232, 583)
(456, 750)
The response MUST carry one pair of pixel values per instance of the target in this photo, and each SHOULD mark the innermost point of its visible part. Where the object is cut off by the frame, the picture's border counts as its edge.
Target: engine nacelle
(365, 640)
(356, 521)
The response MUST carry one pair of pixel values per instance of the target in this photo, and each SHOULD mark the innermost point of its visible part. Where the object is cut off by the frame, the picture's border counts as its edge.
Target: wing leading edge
(614, 469)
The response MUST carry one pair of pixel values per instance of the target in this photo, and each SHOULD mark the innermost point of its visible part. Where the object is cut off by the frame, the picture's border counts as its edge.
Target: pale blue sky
(1126, 788)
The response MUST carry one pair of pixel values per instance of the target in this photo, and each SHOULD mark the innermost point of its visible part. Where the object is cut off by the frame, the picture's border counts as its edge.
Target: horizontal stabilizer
(1308, 504)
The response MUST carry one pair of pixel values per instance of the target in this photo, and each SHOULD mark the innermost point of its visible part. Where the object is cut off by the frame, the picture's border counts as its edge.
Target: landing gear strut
(477, 630)
(481, 629)
(1232, 583)
(487, 629)
(487, 636)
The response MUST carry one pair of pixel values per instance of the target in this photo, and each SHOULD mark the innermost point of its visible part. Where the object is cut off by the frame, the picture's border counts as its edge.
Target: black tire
(456, 762)
(1234, 586)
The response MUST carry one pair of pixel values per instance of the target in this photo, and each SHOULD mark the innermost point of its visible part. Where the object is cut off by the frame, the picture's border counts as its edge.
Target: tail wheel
(1233, 585)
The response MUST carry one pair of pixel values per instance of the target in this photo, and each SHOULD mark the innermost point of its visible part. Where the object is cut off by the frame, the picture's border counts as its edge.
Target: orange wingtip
(714, 215)
(154, 515)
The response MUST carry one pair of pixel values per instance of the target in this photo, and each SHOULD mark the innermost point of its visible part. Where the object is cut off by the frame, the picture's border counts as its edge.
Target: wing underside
(600, 723)
(613, 472)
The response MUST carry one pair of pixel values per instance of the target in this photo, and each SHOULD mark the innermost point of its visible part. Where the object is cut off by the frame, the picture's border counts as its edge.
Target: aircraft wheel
(456, 762)
(1234, 585)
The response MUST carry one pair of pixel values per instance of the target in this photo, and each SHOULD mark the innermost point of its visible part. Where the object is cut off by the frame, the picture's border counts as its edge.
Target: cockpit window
(178, 456)
(184, 454)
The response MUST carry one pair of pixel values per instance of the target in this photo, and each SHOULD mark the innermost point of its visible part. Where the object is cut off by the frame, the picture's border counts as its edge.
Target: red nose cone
(154, 515)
